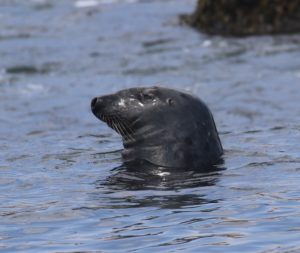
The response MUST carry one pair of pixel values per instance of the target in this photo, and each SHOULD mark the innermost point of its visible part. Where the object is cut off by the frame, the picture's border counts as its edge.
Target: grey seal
(165, 127)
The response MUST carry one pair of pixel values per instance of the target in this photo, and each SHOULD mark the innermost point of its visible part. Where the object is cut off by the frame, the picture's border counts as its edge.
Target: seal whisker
(121, 128)
(128, 132)
(125, 125)
(113, 122)
(110, 122)
(116, 127)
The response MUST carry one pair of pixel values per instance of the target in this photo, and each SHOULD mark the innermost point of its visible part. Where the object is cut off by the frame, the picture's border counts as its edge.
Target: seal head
(162, 126)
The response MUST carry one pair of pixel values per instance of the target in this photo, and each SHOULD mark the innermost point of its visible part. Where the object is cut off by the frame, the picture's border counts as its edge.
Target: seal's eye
(170, 101)
(146, 96)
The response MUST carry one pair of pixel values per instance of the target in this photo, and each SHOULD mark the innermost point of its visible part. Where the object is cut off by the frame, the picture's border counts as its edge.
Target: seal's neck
(160, 146)
(176, 144)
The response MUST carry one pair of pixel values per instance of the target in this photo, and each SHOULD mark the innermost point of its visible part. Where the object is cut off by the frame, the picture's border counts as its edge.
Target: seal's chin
(120, 125)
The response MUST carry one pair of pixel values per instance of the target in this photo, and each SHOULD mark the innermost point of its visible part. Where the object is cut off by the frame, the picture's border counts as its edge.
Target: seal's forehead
(158, 90)
(138, 90)
(167, 92)
(161, 92)
(128, 92)
(150, 89)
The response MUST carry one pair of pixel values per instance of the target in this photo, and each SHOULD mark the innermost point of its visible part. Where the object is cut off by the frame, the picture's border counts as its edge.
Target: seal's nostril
(93, 103)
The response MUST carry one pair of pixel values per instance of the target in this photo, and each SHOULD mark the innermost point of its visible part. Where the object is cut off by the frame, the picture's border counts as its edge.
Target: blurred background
(62, 187)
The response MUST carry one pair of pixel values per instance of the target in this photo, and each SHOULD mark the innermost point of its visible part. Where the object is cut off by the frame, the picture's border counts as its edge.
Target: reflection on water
(166, 183)
(148, 176)
(62, 182)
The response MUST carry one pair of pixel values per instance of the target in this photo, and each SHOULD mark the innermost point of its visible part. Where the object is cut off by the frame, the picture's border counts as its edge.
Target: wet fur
(165, 127)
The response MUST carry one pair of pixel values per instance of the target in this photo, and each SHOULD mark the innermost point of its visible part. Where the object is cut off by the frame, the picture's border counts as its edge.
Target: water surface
(62, 187)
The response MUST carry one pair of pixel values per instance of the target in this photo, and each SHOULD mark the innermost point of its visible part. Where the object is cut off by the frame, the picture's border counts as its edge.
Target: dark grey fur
(165, 127)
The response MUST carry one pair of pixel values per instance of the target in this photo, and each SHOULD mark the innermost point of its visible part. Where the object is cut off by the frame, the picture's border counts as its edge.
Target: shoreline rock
(245, 17)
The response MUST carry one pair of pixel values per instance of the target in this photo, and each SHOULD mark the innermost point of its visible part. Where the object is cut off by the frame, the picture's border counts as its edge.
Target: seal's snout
(93, 104)
(96, 104)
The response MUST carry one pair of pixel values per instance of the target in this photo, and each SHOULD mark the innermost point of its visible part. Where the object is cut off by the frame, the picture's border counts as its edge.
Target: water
(62, 187)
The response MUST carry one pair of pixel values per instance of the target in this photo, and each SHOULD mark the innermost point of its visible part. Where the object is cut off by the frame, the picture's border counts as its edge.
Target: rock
(246, 17)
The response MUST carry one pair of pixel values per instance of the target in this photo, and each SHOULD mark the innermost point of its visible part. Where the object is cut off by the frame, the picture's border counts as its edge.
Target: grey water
(62, 186)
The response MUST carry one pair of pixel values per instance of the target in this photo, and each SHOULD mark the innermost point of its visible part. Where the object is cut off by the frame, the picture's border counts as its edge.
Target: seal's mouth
(120, 125)
(114, 121)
